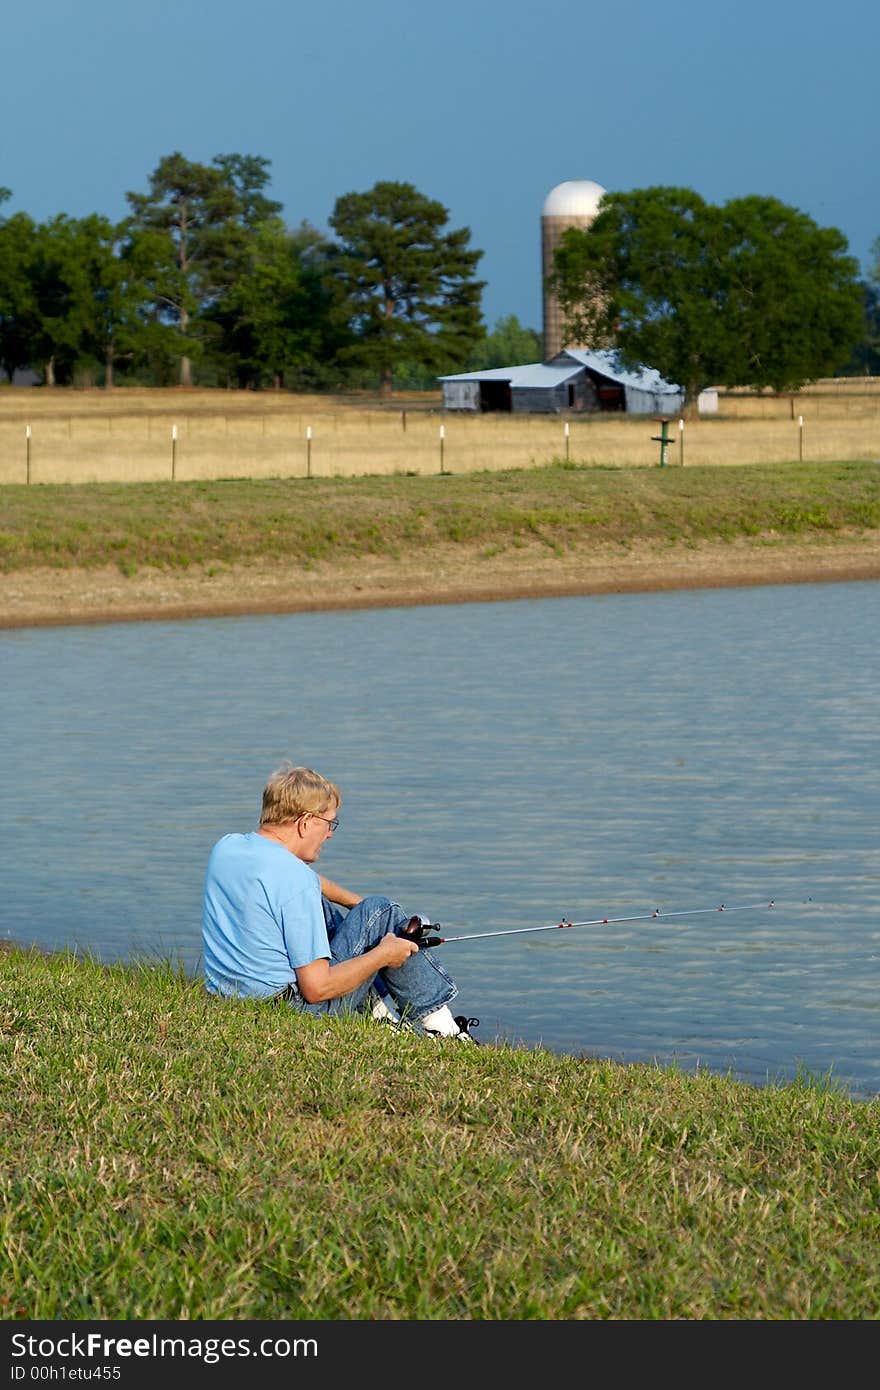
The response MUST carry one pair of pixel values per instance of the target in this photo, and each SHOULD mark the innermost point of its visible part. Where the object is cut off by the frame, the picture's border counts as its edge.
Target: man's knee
(377, 915)
(375, 902)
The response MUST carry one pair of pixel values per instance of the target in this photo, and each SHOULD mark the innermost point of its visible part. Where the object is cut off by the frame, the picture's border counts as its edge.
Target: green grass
(176, 525)
(167, 1156)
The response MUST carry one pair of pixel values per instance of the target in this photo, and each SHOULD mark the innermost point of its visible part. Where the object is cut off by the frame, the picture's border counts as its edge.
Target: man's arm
(335, 894)
(319, 980)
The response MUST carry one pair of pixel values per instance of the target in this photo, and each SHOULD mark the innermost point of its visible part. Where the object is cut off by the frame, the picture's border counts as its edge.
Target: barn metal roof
(530, 374)
(605, 362)
(567, 364)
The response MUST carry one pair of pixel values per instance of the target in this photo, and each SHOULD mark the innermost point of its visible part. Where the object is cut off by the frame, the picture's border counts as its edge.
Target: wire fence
(112, 446)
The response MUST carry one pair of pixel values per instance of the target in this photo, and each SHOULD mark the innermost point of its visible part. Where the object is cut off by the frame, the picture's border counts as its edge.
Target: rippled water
(503, 765)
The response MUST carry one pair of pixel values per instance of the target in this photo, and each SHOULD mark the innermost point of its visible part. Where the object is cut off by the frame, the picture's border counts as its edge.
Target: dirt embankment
(454, 574)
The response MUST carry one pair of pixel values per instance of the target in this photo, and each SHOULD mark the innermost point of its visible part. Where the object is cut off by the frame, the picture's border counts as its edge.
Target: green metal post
(662, 438)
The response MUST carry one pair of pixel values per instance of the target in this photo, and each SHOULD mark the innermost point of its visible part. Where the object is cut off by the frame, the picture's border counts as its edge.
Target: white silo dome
(575, 198)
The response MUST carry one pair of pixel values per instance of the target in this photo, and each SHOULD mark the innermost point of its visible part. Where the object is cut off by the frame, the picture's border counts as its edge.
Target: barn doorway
(495, 395)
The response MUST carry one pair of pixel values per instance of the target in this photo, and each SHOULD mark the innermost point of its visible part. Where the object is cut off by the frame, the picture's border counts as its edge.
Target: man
(270, 931)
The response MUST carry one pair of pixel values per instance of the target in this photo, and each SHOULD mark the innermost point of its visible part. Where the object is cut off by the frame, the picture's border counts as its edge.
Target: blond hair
(292, 792)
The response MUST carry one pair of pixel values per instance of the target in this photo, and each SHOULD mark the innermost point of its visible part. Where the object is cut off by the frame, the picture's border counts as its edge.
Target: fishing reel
(419, 931)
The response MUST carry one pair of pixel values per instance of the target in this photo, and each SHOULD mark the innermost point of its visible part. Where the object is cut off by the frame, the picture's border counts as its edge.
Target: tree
(248, 175)
(865, 359)
(121, 268)
(409, 283)
(207, 215)
(74, 293)
(18, 309)
(150, 266)
(63, 290)
(869, 355)
(83, 304)
(753, 293)
(281, 320)
(794, 301)
(508, 345)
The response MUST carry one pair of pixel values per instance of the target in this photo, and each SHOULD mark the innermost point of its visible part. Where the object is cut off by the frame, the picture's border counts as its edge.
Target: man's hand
(396, 949)
(320, 980)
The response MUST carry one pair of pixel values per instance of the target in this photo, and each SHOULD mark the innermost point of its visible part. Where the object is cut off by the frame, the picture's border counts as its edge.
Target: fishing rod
(422, 937)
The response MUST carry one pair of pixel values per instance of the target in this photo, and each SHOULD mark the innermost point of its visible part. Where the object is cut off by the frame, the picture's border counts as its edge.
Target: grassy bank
(165, 1156)
(215, 524)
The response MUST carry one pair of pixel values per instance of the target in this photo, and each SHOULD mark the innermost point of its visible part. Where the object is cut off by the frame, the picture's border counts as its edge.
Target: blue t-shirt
(262, 917)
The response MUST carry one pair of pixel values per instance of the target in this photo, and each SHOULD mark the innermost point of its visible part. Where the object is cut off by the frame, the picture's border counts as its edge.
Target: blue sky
(485, 106)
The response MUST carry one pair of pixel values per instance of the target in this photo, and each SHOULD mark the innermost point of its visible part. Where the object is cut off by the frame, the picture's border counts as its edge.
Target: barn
(573, 380)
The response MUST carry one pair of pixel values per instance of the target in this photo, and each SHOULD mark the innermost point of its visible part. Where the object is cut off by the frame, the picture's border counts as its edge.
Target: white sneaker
(383, 1012)
(463, 1035)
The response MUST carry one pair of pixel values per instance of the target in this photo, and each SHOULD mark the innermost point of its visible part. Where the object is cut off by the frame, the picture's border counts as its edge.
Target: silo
(571, 204)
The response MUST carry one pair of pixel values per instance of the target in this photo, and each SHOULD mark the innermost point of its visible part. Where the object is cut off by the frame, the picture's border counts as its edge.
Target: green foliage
(865, 359)
(793, 297)
(118, 329)
(749, 294)
(72, 296)
(205, 215)
(19, 314)
(58, 292)
(247, 175)
(205, 271)
(281, 321)
(409, 283)
(508, 345)
(148, 265)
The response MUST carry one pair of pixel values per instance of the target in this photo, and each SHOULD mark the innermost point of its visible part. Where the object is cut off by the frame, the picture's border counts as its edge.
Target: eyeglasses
(333, 824)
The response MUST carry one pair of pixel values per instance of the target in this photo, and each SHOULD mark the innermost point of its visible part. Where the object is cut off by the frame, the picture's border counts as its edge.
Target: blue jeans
(417, 987)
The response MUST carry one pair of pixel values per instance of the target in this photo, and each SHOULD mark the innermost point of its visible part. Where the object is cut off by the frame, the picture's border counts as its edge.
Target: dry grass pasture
(153, 435)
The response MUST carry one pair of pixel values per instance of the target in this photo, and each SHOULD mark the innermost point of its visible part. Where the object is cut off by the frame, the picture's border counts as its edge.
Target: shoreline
(439, 575)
